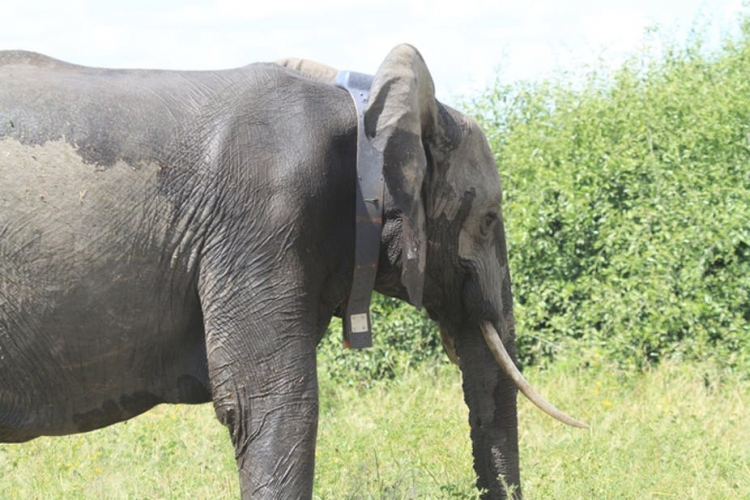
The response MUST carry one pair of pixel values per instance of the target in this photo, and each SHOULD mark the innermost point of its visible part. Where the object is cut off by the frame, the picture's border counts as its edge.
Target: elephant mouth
(495, 344)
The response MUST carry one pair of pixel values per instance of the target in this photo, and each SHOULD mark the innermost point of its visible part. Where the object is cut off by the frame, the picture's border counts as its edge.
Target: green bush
(627, 201)
(402, 337)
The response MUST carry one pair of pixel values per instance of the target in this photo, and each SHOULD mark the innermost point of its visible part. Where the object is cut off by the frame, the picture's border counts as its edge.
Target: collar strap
(368, 219)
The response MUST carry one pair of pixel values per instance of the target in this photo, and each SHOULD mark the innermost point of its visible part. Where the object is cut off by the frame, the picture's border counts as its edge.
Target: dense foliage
(402, 337)
(627, 206)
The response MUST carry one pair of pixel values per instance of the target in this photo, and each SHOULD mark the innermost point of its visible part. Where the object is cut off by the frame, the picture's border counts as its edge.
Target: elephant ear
(401, 116)
(310, 69)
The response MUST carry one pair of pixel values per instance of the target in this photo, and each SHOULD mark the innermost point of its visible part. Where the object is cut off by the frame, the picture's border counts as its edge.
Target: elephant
(187, 237)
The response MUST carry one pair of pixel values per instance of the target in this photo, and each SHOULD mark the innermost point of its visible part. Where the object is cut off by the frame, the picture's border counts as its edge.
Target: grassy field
(680, 432)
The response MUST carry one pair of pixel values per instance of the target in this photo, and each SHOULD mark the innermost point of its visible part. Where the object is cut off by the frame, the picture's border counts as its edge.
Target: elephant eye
(488, 221)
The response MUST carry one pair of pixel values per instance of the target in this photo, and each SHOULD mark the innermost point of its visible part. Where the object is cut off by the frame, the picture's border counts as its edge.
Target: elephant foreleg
(264, 389)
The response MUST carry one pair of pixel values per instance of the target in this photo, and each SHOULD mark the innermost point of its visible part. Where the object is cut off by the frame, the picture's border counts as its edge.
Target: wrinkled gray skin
(185, 237)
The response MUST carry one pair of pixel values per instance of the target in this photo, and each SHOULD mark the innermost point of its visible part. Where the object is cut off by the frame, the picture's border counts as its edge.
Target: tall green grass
(677, 431)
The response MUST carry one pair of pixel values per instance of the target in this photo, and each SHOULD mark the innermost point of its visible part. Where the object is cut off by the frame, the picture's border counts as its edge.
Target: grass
(679, 431)
(172, 452)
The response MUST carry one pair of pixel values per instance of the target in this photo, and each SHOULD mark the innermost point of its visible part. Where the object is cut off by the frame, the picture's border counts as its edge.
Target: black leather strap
(368, 219)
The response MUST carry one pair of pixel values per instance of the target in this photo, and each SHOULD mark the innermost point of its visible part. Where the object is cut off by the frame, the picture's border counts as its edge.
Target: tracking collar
(368, 219)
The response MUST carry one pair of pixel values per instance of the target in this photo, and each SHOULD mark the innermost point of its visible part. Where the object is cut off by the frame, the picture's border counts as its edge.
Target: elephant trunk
(491, 397)
(490, 384)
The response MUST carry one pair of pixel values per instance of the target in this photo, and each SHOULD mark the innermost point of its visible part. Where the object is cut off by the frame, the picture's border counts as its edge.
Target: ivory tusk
(448, 344)
(503, 359)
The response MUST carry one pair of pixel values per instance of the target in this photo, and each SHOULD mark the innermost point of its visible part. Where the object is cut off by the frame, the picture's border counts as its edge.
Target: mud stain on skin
(61, 217)
(55, 173)
(92, 254)
(51, 187)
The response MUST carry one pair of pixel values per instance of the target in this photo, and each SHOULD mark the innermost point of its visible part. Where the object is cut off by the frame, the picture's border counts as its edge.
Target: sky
(466, 43)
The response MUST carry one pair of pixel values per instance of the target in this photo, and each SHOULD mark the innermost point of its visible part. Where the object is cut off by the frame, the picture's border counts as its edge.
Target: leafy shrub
(402, 337)
(627, 201)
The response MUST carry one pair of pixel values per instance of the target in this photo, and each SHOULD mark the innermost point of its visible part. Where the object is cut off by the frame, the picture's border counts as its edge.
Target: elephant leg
(265, 391)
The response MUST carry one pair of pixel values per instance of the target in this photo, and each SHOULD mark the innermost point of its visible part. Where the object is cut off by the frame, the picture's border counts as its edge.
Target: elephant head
(443, 247)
